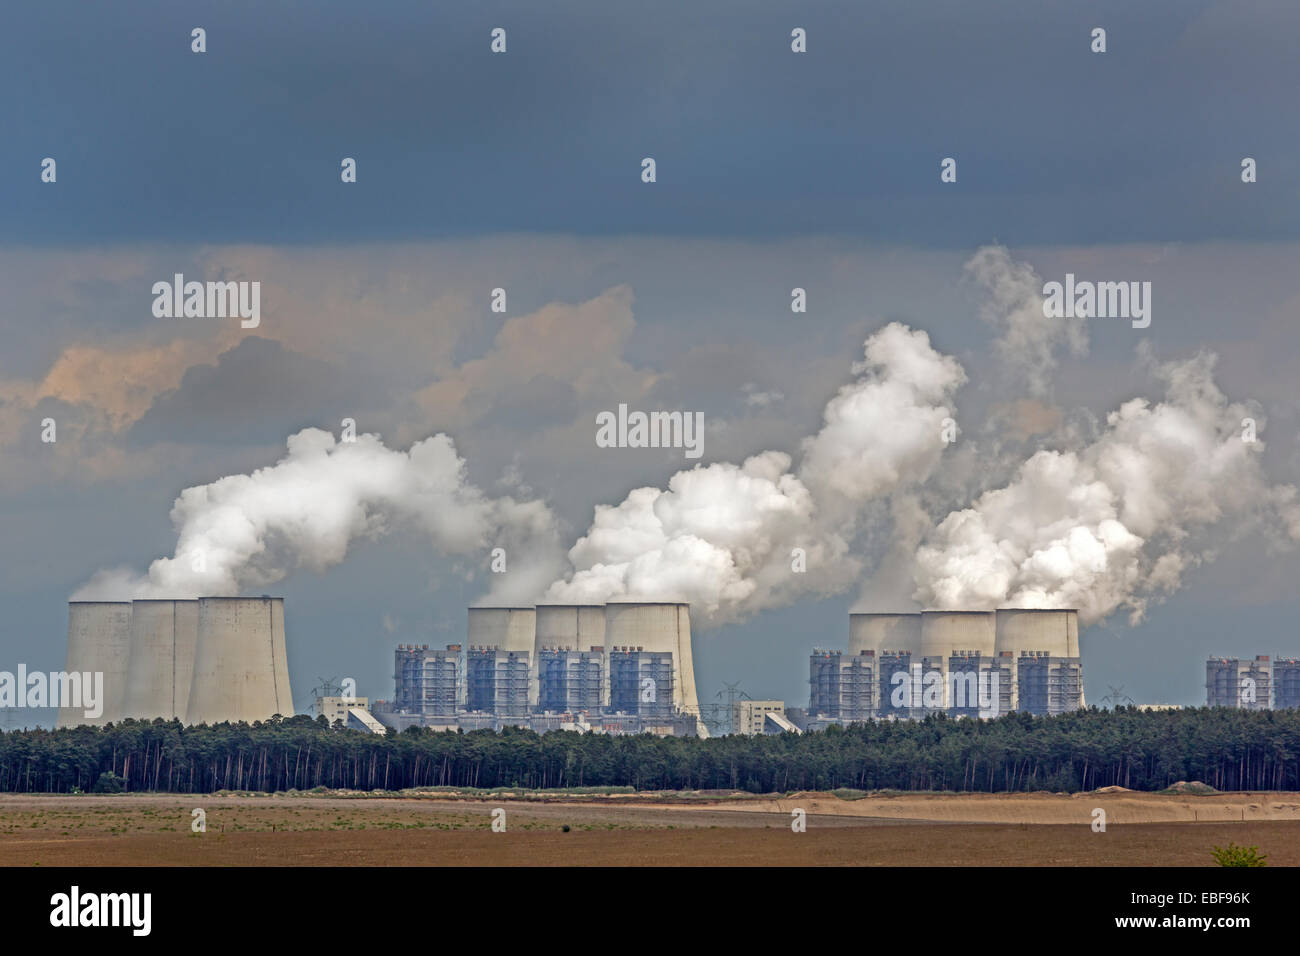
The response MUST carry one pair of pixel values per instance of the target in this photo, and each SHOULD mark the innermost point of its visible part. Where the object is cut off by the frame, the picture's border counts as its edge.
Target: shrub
(1233, 855)
(109, 782)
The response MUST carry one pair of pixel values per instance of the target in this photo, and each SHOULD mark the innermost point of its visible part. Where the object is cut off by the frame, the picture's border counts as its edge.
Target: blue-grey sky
(1055, 144)
(476, 171)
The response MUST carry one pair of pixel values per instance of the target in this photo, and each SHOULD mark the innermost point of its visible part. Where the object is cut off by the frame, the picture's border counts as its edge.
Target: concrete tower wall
(161, 665)
(943, 632)
(577, 626)
(99, 641)
(877, 632)
(240, 670)
(658, 627)
(506, 628)
(1032, 629)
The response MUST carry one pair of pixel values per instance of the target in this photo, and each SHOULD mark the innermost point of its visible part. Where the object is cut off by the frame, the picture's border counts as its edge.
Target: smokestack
(240, 671)
(659, 627)
(99, 641)
(161, 664)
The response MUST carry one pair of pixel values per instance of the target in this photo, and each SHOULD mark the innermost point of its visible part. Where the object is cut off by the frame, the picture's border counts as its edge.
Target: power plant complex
(1264, 683)
(200, 661)
(621, 667)
(963, 663)
(616, 668)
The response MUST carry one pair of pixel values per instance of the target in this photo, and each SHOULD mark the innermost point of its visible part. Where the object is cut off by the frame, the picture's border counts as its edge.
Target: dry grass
(896, 830)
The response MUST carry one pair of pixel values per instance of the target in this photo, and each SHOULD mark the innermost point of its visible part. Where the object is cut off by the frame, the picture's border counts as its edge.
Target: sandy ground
(430, 829)
(1121, 806)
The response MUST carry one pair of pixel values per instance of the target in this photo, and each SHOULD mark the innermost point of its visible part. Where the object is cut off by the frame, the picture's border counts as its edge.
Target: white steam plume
(249, 531)
(722, 536)
(1115, 523)
(1027, 342)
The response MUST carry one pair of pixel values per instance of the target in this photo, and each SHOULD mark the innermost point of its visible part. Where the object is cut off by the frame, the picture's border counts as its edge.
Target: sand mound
(1195, 786)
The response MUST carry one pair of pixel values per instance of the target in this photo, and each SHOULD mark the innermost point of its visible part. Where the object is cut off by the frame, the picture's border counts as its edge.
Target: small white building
(336, 708)
(760, 717)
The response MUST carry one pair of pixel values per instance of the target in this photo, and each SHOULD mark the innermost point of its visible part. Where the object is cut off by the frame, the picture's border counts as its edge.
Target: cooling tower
(507, 629)
(240, 671)
(577, 626)
(943, 632)
(99, 641)
(878, 632)
(658, 627)
(161, 664)
(1031, 629)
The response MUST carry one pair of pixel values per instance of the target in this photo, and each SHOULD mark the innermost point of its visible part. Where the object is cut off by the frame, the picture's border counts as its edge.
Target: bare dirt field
(447, 829)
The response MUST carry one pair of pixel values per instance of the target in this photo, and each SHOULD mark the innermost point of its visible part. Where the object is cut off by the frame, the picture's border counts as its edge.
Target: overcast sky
(522, 171)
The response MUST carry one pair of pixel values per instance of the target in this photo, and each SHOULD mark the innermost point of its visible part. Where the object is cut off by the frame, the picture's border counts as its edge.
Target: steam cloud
(1101, 523)
(722, 536)
(1027, 343)
(1114, 523)
(248, 531)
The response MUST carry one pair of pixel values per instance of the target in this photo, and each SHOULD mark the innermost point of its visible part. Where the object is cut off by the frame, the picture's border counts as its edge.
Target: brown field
(446, 829)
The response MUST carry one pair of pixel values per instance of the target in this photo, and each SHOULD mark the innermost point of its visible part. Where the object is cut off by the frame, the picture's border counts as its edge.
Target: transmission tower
(1117, 697)
(329, 687)
(733, 693)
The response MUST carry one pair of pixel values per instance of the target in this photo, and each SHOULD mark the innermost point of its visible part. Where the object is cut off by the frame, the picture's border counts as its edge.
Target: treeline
(1084, 750)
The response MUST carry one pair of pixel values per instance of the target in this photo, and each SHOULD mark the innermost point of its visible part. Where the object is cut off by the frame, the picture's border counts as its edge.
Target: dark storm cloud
(258, 392)
(1054, 143)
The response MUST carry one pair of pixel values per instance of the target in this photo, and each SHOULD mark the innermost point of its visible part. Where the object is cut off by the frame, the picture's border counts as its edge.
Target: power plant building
(498, 681)
(753, 717)
(979, 684)
(555, 667)
(843, 688)
(1245, 684)
(1047, 685)
(963, 663)
(1286, 682)
(641, 682)
(570, 680)
(427, 682)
